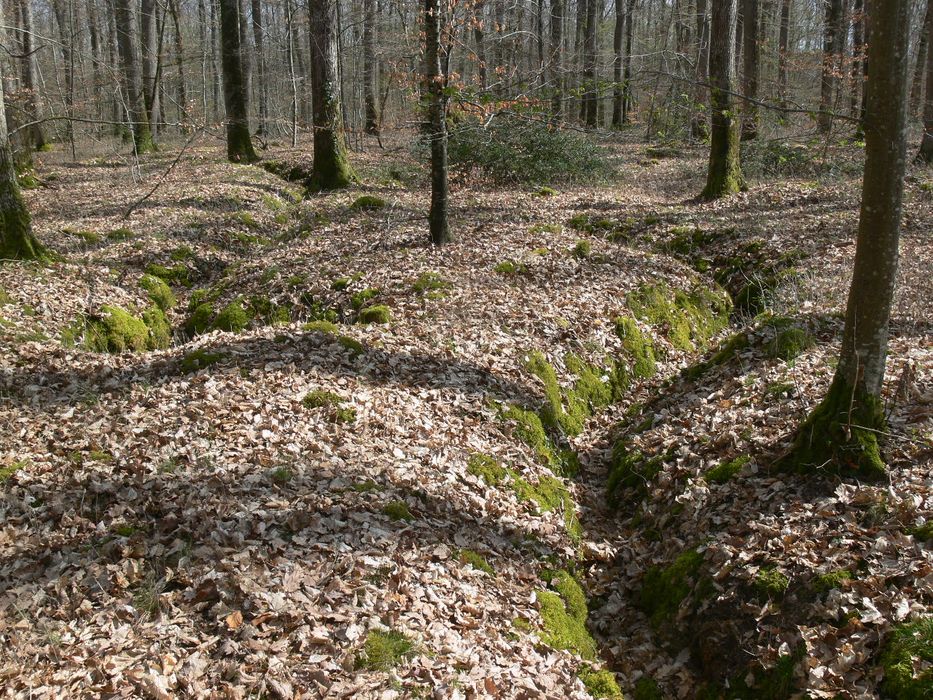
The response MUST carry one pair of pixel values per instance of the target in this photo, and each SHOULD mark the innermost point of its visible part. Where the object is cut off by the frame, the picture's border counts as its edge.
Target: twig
(164, 175)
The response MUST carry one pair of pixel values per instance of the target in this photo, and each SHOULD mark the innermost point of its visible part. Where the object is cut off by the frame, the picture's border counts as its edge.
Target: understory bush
(512, 148)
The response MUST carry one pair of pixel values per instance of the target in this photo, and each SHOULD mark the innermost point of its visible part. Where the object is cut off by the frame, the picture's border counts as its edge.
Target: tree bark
(589, 66)
(236, 97)
(330, 168)
(435, 83)
(179, 62)
(369, 67)
(699, 128)
(925, 155)
(35, 135)
(262, 93)
(843, 433)
(916, 89)
(627, 99)
(556, 63)
(725, 174)
(783, 38)
(833, 38)
(618, 34)
(858, 50)
(147, 25)
(750, 71)
(135, 106)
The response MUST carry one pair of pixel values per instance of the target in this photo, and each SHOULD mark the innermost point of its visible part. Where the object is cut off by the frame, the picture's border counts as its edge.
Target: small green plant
(907, 661)
(476, 560)
(378, 313)
(9, 470)
(120, 234)
(823, 583)
(511, 267)
(430, 282)
(724, 471)
(581, 250)
(546, 192)
(384, 650)
(398, 510)
(146, 595)
(281, 475)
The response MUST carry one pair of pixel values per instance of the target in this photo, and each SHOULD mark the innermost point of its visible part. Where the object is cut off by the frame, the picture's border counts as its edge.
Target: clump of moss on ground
(487, 468)
(664, 589)
(511, 268)
(630, 469)
(232, 318)
(728, 350)
(384, 650)
(724, 471)
(771, 583)
(378, 313)
(639, 348)
(200, 359)
(177, 275)
(367, 202)
(689, 319)
(789, 343)
(647, 689)
(476, 560)
(431, 284)
(600, 683)
(398, 510)
(907, 661)
(563, 613)
(159, 292)
(116, 330)
(581, 250)
(331, 401)
(823, 583)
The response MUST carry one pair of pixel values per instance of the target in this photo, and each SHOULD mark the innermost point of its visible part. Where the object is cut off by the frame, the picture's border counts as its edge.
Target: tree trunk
(259, 40)
(136, 108)
(435, 83)
(35, 135)
(925, 155)
(239, 144)
(479, 18)
(699, 128)
(750, 72)
(916, 89)
(96, 62)
(331, 168)
(63, 19)
(833, 38)
(369, 67)
(783, 36)
(725, 174)
(627, 99)
(147, 27)
(858, 50)
(618, 34)
(179, 63)
(842, 434)
(589, 65)
(557, 50)
(16, 239)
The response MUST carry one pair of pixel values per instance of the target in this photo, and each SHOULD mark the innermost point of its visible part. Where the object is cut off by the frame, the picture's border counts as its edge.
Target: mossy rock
(263, 308)
(159, 292)
(664, 589)
(724, 471)
(563, 614)
(789, 343)
(384, 650)
(197, 360)
(232, 318)
(368, 202)
(200, 319)
(600, 683)
(907, 660)
(160, 330)
(378, 313)
(637, 346)
(359, 299)
(116, 330)
(321, 327)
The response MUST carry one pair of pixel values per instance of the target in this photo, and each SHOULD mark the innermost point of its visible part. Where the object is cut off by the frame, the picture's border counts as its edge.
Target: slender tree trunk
(618, 34)
(858, 51)
(62, 18)
(437, 119)
(916, 89)
(556, 63)
(783, 37)
(148, 25)
(136, 107)
(331, 168)
(293, 79)
(627, 99)
(925, 155)
(725, 174)
(262, 93)
(833, 38)
(589, 66)
(35, 135)
(215, 73)
(843, 432)
(236, 96)
(179, 62)
(751, 69)
(369, 67)
(699, 128)
(479, 19)
(96, 57)
(16, 239)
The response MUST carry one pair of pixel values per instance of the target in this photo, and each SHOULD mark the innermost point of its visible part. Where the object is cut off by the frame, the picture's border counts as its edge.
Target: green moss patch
(200, 359)
(907, 661)
(4, 297)
(476, 560)
(331, 401)
(689, 319)
(511, 268)
(384, 650)
(378, 313)
(120, 234)
(581, 250)
(429, 282)
(823, 583)
(368, 202)
(728, 350)
(159, 292)
(630, 470)
(486, 468)
(10, 469)
(530, 430)
(177, 275)
(600, 683)
(664, 589)
(637, 346)
(789, 343)
(321, 327)
(563, 613)
(771, 583)
(646, 688)
(232, 318)
(546, 192)
(116, 330)
(398, 510)
(724, 471)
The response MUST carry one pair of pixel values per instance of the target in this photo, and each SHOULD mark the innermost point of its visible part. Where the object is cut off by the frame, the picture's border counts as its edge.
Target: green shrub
(512, 149)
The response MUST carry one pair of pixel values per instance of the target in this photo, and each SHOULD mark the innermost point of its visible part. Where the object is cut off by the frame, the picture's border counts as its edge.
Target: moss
(907, 660)
(647, 689)
(160, 330)
(690, 319)
(511, 267)
(120, 234)
(630, 469)
(530, 430)
(554, 414)
(5, 298)
(665, 589)
(600, 683)
(546, 192)
(351, 345)
(398, 510)
(200, 359)
(159, 292)
(544, 228)
(487, 468)
(10, 469)
(476, 560)
(724, 471)
(359, 299)
(639, 348)
(581, 250)
(321, 327)
(89, 238)
(281, 475)
(321, 399)
(429, 282)
(177, 275)
(779, 390)
(840, 435)
(923, 533)
(383, 651)
(200, 319)
(378, 313)
(116, 330)
(232, 318)
(262, 307)
(181, 253)
(368, 202)
(247, 219)
(771, 583)
(563, 614)
(367, 486)
(823, 583)
(727, 351)
(789, 344)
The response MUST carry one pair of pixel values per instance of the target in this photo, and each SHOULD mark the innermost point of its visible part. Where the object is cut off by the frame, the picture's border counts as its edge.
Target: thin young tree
(627, 98)
(34, 134)
(750, 69)
(330, 166)
(783, 41)
(557, 50)
(17, 241)
(833, 42)
(618, 34)
(843, 434)
(435, 83)
(262, 94)
(239, 143)
(135, 106)
(925, 155)
(369, 68)
(725, 173)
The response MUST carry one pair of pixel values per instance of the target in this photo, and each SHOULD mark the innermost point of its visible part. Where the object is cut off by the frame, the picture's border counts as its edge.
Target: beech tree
(926, 145)
(750, 69)
(136, 109)
(844, 432)
(330, 167)
(239, 143)
(725, 173)
(833, 42)
(437, 123)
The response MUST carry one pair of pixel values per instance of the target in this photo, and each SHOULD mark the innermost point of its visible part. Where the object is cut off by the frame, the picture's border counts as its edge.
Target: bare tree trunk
(479, 40)
(725, 174)
(843, 433)
(147, 25)
(557, 50)
(833, 38)
(63, 19)
(589, 66)
(96, 58)
(858, 50)
(699, 128)
(331, 168)
(437, 120)
(259, 40)
(236, 95)
(369, 67)
(293, 79)
(618, 34)
(627, 99)
(179, 62)
(783, 37)
(751, 68)
(136, 106)
(916, 89)
(35, 135)
(925, 155)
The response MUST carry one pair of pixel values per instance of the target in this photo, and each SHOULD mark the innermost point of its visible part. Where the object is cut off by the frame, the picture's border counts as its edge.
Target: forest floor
(190, 522)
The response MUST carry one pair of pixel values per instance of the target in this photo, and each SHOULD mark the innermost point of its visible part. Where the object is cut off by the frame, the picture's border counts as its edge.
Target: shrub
(514, 149)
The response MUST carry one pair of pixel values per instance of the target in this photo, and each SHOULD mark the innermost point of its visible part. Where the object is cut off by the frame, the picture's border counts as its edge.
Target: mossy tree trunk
(925, 155)
(437, 121)
(725, 172)
(126, 45)
(239, 144)
(16, 239)
(331, 167)
(843, 432)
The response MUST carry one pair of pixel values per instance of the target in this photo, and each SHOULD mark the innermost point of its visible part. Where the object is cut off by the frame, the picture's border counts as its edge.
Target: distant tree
(369, 67)
(330, 168)
(843, 433)
(618, 35)
(136, 108)
(926, 145)
(34, 135)
(259, 33)
(590, 61)
(16, 239)
(833, 42)
(783, 39)
(435, 84)
(725, 172)
(557, 50)
(239, 143)
(858, 50)
(916, 86)
(627, 98)
(750, 68)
